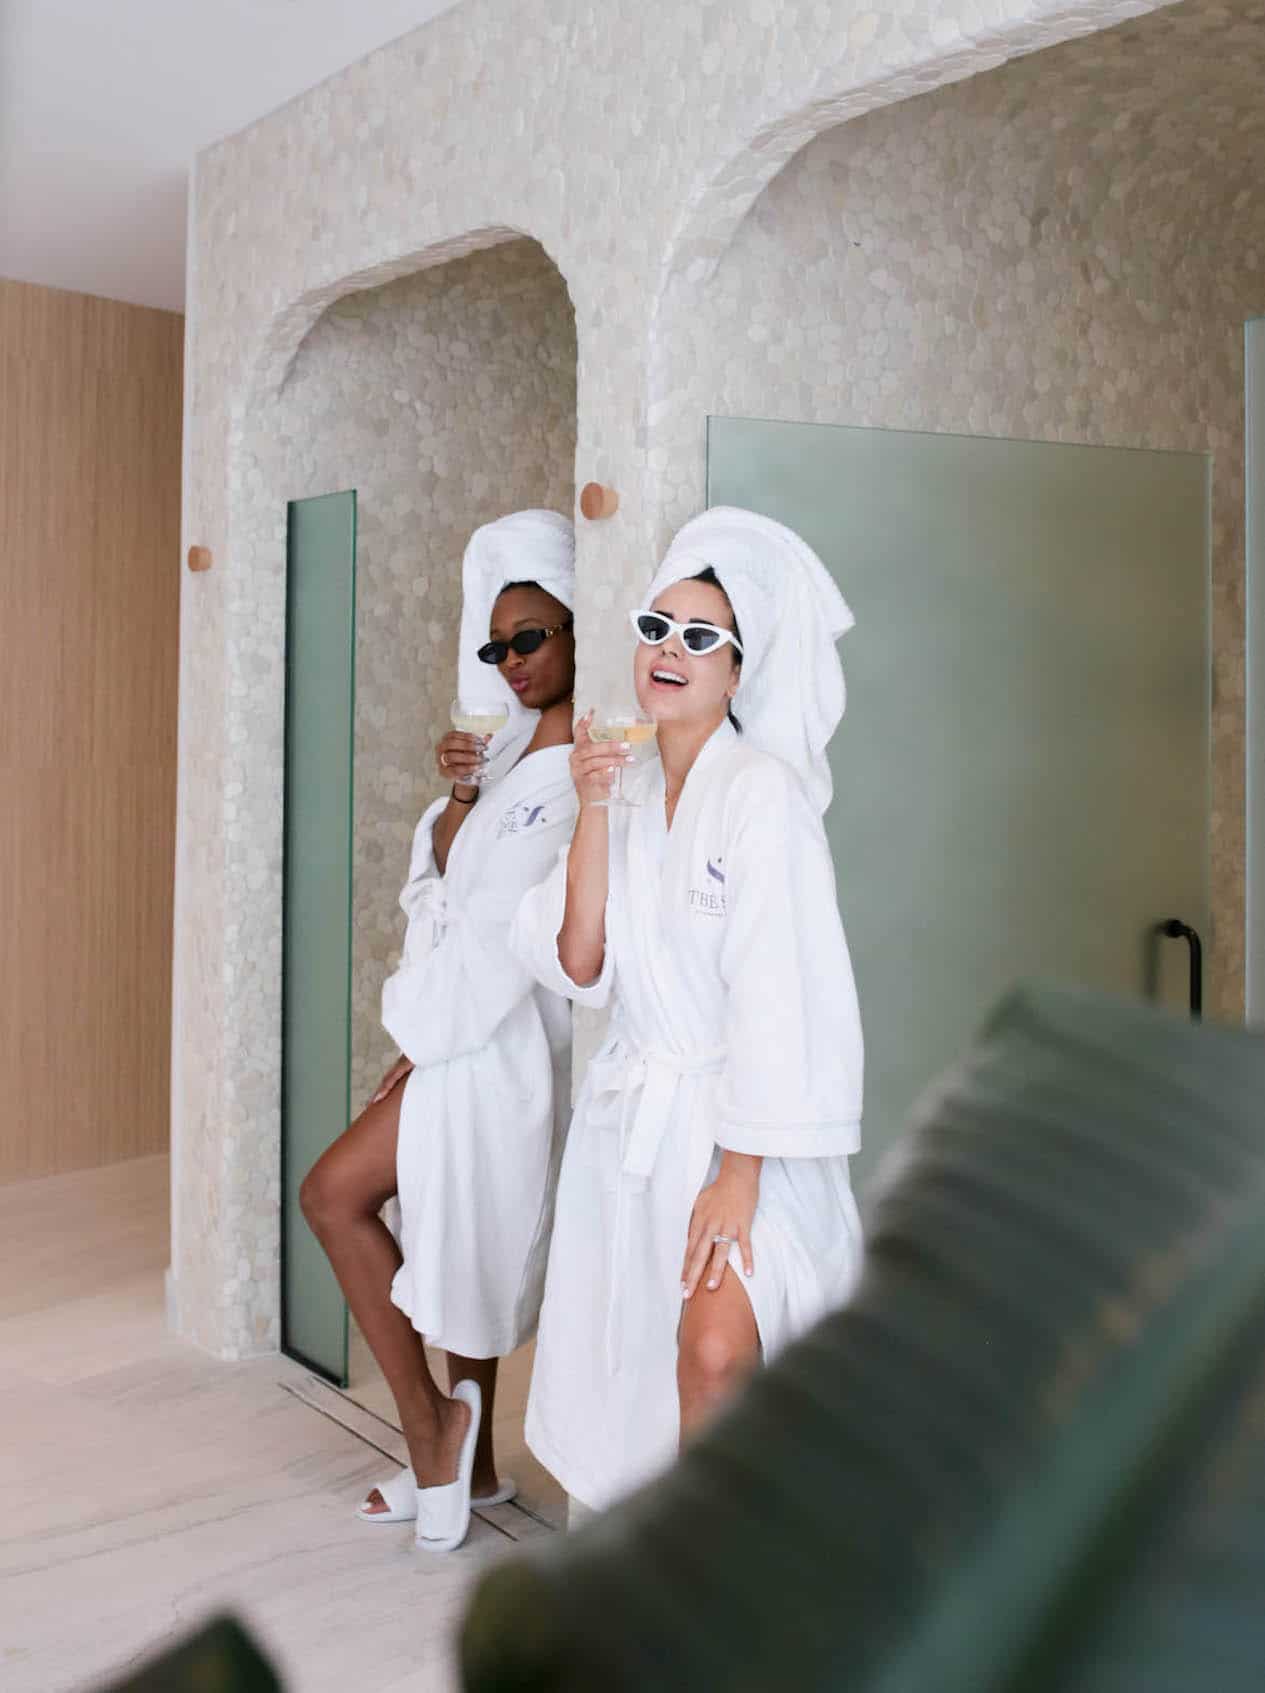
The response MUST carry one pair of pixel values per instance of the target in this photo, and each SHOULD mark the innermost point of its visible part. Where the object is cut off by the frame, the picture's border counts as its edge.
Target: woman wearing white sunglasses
(705, 1214)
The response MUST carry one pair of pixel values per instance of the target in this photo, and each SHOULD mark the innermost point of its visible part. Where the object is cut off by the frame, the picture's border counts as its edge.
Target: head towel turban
(526, 546)
(790, 613)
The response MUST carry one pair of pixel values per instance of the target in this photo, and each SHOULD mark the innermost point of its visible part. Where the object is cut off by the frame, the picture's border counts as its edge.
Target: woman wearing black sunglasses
(539, 669)
(466, 1127)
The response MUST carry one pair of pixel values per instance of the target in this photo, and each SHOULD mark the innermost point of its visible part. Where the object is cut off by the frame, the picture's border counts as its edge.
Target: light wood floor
(143, 1485)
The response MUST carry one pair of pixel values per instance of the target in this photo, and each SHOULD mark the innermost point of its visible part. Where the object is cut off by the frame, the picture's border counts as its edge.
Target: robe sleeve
(534, 940)
(791, 1086)
(448, 1000)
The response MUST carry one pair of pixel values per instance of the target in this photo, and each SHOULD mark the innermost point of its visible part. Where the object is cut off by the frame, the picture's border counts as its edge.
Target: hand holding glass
(482, 718)
(625, 724)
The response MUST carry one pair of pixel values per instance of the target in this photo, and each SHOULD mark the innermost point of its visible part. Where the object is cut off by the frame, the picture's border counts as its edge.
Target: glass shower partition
(1021, 777)
(316, 925)
(1254, 361)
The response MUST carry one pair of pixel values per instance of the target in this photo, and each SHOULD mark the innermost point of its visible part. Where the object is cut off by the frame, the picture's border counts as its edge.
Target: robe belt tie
(656, 1073)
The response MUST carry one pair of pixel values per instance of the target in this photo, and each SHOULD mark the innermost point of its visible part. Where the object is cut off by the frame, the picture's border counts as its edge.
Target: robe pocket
(595, 1139)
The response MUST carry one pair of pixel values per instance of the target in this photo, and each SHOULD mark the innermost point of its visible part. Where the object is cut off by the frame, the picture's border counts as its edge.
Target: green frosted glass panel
(1255, 364)
(316, 1015)
(1021, 778)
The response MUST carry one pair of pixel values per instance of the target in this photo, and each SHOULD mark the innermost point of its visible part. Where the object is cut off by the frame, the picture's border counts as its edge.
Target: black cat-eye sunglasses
(526, 641)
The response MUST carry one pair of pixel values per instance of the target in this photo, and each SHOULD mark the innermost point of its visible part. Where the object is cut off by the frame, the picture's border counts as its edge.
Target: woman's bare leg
(482, 1370)
(341, 1197)
(717, 1349)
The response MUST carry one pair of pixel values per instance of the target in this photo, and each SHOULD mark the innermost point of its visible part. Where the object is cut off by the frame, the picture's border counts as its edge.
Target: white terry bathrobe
(734, 1025)
(484, 1111)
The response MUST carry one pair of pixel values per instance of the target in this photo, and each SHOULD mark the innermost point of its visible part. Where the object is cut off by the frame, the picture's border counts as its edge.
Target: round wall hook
(597, 501)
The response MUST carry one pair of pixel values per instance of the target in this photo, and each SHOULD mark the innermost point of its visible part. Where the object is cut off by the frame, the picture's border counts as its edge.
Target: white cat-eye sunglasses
(653, 628)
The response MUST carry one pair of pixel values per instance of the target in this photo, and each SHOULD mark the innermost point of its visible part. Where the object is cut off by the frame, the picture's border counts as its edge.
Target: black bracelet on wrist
(455, 795)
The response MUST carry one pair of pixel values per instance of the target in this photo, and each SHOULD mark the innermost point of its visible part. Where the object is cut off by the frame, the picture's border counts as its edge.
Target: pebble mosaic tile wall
(1035, 254)
(445, 399)
(631, 138)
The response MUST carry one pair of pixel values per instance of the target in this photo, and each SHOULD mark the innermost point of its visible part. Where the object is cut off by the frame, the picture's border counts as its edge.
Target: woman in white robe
(467, 1126)
(705, 1214)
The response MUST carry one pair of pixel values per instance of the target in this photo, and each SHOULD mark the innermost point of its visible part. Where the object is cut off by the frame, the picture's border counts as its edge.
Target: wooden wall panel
(90, 419)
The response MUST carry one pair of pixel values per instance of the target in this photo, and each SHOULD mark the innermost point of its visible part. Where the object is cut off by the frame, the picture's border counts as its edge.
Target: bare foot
(481, 1487)
(440, 1465)
(435, 1464)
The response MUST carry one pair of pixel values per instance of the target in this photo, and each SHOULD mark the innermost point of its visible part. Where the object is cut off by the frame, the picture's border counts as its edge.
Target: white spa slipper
(505, 1492)
(443, 1513)
(400, 1494)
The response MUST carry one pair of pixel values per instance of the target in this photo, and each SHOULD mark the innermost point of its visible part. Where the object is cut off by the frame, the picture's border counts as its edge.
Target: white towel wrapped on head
(790, 613)
(526, 546)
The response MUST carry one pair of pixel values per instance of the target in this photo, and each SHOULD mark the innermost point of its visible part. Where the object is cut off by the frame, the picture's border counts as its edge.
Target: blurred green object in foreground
(219, 1658)
(1029, 1457)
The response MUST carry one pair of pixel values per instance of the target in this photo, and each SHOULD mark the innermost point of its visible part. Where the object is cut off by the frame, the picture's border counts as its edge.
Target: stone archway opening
(445, 395)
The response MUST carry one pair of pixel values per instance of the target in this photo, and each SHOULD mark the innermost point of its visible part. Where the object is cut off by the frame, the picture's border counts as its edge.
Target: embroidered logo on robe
(525, 815)
(709, 901)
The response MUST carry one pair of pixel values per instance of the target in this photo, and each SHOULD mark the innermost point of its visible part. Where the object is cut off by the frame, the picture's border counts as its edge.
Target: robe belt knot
(656, 1072)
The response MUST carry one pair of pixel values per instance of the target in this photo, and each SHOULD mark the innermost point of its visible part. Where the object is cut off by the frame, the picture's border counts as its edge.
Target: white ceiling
(103, 104)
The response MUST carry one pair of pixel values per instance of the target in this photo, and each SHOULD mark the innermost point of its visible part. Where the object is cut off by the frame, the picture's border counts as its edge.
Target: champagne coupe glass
(479, 717)
(622, 722)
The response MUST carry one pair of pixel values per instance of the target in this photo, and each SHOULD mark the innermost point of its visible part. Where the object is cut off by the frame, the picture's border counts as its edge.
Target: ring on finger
(443, 761)
(722, 1240)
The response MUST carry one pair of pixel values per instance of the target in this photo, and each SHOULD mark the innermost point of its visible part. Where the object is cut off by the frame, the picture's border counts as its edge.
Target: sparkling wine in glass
(479, 717)
(622, 723)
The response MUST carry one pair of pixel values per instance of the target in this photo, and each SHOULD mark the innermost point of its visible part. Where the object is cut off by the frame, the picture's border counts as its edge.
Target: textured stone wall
(1042, 253)
(628, 137)
(445, 399)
